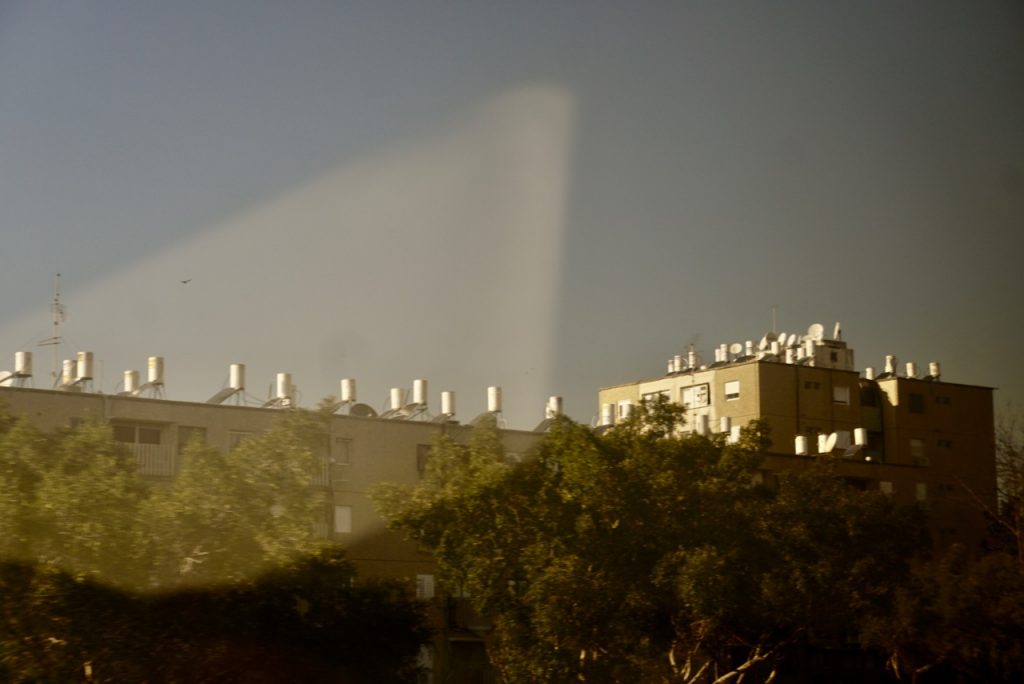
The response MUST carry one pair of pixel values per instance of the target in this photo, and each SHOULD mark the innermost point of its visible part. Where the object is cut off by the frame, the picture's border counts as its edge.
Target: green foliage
(958, 619)
(253, 591)
(304, 622)
(229, 517)
(963, 617)
(643, 554)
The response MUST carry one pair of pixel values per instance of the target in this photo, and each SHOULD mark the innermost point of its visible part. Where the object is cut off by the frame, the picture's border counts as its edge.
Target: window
(341, 459)
(424, 586)
(834, 356)
(921, 493)
(187, 434)
(916, 402)
(236, 437)
(653, 397)
(342, 519)
(137, 434)
(422, 456)
(732, 390)
(697, 396)
(841, 395)
(342, 452)
(868, 396)
(812, 384)
(885, 487)
(917, 452)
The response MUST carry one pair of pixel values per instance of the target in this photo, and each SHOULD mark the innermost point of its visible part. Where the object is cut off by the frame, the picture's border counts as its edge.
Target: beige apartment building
(910, 434)
(363, 449)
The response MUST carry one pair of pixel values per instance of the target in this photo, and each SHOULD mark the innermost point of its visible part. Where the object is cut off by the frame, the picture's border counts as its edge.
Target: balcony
(155, 460)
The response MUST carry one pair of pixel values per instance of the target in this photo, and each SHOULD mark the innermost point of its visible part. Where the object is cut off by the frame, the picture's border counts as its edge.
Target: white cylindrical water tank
(934, 370)
(397, 397)
(677, 362)
(419, 392)
(448, 403)
(789, 355)
(734, 434)
(911, 369)
(691, 359)
(822, 443)
(671, 368)
(23, 364)
(774, 347)
(284, 386)
(156, 370)
(725, 424)
(84, 371)
(702, 424)
(67, 372)
(348, 389)
(890, 364)
(748, 348)
(131, 380)
(607, 414)
(869, 373)
(723, 351)
(809, 349)
(554, 407)
(860, 436)
(800, 445)
(236, 376)
(494, 399)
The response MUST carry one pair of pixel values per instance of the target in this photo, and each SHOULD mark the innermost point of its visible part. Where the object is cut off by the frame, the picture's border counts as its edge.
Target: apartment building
(363, 447)
(910, 434)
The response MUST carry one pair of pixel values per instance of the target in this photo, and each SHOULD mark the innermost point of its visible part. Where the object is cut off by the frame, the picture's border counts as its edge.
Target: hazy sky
(549, 196)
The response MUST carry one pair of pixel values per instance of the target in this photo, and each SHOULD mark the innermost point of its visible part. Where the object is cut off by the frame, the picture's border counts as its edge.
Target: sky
(549, 197)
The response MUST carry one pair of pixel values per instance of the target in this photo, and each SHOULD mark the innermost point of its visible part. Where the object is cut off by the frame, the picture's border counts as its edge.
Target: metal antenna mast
(58, 317)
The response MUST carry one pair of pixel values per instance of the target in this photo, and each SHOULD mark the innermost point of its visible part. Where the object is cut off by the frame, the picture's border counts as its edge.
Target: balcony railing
(155, 460)
(322, 473)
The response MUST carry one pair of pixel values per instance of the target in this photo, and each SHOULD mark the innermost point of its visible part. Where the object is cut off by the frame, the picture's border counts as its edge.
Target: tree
(305, 621)
(218, 576)
(231, 516)
(74, 499)
(643, 554)
(963, 616)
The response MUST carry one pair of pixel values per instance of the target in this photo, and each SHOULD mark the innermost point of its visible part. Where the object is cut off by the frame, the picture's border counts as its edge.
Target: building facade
(914, 436)
(361, 450)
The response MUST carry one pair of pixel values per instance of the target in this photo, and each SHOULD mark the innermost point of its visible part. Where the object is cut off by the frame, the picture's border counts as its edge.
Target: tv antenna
(59, 314)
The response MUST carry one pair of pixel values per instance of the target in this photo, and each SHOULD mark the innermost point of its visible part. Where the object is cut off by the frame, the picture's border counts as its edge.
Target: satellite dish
(763, 344)
(362, 410)
(735, 348)
(830, 443)
(816, 331)
(782, 339)
(837, 332)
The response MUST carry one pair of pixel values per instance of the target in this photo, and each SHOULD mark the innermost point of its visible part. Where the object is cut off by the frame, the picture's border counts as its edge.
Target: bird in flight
(186, 282)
